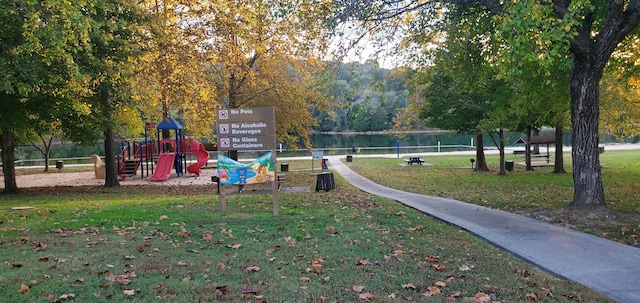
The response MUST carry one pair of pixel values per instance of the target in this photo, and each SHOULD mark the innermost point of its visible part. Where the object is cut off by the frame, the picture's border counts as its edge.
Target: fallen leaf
(250, 290)
(221, 266)
(362, 262)
(357, 288)
(66, 296)
(366, 296)
(408, 285)
(140, 249)
(23, 288)
(305, 279)
(122, 280)
(207, 236)
(438, 267)
(129, 292)
(417, 228)
(182, 264)
(234, 246)
(252, 268)
(221, 290)
(482, 297)
(431, 258)
(163, 217)
(440, 284)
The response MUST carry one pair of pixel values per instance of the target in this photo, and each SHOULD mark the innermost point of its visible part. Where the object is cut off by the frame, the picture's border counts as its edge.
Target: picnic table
(414, 159)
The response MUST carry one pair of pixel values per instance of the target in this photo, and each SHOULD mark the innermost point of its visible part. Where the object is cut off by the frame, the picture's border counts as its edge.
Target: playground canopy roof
(550, 139)
(169, 123)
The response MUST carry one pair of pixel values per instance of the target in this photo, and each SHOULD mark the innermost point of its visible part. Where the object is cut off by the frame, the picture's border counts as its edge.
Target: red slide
(163, 169)
(202, 156)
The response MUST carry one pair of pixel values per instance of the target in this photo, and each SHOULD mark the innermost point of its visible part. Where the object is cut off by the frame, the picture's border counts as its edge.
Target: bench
(413, 159)
(540, 156)
(533, 156)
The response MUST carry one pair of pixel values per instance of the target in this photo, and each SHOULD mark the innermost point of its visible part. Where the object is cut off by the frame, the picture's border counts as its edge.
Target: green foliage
(365, 97)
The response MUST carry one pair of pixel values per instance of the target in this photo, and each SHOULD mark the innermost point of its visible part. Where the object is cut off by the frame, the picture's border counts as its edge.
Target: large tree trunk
(558, 164)
(481, 161)
(8, 166)
(111, 165)
(587, 177)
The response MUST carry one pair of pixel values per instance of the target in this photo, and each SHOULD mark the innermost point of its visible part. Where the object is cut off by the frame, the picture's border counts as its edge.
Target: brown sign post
(248, 129)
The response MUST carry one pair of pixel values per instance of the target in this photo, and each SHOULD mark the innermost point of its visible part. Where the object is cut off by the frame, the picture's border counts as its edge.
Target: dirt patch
(87, 178)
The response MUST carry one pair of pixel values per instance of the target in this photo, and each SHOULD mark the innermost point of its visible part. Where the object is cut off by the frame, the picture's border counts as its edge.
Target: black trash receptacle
(284, 167)
(508, 165)
(59, 164)
(349, 158)
(325, 182)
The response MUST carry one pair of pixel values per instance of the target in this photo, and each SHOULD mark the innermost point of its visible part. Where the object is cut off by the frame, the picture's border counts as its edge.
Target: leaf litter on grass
(314, 252)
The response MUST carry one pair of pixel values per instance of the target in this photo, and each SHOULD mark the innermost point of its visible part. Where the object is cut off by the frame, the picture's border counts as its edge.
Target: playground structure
(158, 160)
(98, 167)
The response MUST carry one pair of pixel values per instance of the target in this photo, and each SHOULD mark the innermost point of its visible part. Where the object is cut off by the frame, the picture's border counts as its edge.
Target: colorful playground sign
(233, 172)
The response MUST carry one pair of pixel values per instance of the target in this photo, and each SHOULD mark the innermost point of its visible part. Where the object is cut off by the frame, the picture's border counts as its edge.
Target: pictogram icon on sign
(224, 128)
(224, 142)
(223, 114)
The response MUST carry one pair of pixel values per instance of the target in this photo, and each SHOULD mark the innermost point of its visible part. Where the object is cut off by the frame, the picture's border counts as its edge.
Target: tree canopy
(586, 32)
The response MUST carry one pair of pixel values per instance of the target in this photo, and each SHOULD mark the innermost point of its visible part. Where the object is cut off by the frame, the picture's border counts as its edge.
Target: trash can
(284, 167)
(325, 182)
(59, 164)
(349, 158)
(508, 165)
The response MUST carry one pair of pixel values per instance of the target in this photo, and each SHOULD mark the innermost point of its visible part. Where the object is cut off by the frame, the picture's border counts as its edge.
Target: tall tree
(173, 76)
(588, 32)
(262, 54)
(38, 40)
(115, 36)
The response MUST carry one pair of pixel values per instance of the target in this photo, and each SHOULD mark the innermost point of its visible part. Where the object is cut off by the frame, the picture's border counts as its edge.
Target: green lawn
(141, 244)
(539, 193)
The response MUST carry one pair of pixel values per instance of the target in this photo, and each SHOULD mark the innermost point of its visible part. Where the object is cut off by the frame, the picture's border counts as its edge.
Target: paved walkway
(605, 266)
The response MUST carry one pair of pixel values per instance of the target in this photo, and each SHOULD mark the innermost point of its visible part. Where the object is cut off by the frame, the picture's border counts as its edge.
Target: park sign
(246, 129)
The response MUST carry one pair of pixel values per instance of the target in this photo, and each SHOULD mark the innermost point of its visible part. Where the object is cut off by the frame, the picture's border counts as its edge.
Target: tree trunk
(588, 191)
(558, 164)
(527, 151)
(8, 165)
(536, 147)
(46, 162)
(111, 165)
(47, 150)
(501, 149)
(481, 161)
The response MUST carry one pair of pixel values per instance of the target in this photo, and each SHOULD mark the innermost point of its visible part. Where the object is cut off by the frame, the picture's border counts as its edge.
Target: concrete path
(605, 266)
